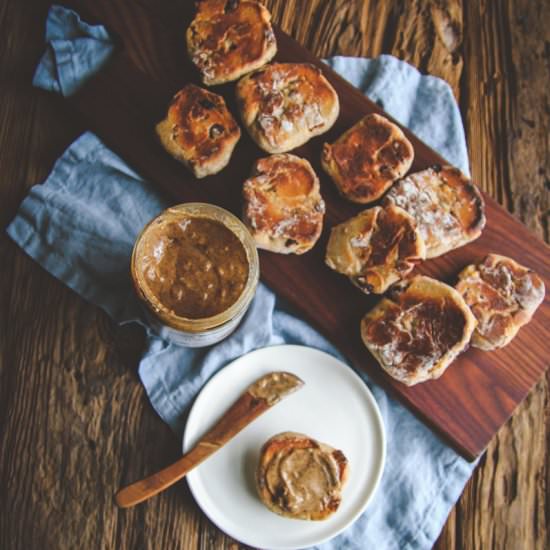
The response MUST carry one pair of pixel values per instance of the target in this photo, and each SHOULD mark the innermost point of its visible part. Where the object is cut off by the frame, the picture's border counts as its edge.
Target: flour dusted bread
(447, 206)
(299, 477)
(503, 295)
(199, 130)
(417, 331)
(283, 208)
(368, 158)
(229, 38)
(283, 105)
(376, 248)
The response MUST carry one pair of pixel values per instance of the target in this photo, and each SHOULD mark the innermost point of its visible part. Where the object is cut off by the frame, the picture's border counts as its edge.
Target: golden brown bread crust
(230, 38)
(287, 487)
(503, 295)
(447, 206)
(418, 331)
(199, 130)
(368, 158)
(283, 105)
(376, 248)
(283, 208)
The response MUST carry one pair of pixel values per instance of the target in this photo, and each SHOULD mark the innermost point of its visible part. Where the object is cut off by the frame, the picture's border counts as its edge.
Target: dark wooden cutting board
(122, 104)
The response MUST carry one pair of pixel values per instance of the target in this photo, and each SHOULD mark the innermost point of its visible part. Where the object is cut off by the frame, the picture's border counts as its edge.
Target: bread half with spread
(283, 208)
(283, 105)
(199, 130)
(299, 477)
(368, 158)
(418, 330)
(447, 206)
(229, 38)
(503, 295)
(376, 248)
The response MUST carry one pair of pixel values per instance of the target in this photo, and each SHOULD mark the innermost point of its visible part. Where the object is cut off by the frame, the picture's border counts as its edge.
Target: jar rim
(231, 222)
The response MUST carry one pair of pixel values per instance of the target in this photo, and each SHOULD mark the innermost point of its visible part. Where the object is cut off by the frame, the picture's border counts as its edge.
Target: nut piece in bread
(229, 38)
(283, 105)
(503, 295)
(199, 130)
(299, 477)
(376, 248)
(448, 207)
(418, 331)
(368, 158)
(283, 208)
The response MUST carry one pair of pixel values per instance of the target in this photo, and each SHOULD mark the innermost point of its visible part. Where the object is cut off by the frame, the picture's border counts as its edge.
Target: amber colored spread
(274, 386)
(304, 480)
(195, 267)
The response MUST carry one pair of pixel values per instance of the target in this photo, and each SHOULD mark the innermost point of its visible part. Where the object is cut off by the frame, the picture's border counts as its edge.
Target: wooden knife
(258, 398)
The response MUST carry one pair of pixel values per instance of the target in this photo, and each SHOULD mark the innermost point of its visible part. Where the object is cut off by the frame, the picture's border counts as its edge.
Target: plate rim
(379, 470)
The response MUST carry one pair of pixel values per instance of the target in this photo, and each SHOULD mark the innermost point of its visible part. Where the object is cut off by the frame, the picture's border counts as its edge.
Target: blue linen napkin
(81, 223)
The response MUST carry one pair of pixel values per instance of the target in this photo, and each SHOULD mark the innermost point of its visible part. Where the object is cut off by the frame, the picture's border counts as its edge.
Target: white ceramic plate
(335, 407)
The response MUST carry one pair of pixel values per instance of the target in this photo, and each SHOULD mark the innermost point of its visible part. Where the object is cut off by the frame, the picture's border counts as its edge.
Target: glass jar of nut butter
(195, 268)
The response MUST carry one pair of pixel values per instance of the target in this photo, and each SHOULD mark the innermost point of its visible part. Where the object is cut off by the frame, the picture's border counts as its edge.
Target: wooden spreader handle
(258, 398)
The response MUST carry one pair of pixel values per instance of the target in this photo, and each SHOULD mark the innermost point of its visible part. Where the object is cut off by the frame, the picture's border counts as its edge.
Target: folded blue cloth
(81, 223)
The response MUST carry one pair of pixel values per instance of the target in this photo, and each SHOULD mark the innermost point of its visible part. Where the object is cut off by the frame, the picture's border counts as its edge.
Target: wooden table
(73, 415)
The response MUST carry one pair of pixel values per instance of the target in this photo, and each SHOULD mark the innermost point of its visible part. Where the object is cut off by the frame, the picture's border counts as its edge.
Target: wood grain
(67, 380)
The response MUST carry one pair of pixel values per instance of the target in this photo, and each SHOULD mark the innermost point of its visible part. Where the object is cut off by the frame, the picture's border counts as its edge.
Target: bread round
(503, 296)
(229, 38)
(368, 158)
(283, 105)
(448, 208)
(299, 477)
(376, 248)
(418, 330)
(283, 208)
(199, 130)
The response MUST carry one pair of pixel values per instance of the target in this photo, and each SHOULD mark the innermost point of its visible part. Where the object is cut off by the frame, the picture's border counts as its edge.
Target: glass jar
(186, 331)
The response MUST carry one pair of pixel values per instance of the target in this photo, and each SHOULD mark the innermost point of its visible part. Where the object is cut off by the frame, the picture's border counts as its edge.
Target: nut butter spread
(301, 478)
(195, 267)
(274, 386)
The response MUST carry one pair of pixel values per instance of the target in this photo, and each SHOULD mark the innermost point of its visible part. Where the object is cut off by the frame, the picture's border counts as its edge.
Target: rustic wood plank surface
(67, 375)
